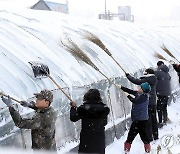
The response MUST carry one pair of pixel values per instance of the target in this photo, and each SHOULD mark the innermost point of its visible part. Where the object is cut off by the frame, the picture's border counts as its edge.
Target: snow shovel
(42, 70)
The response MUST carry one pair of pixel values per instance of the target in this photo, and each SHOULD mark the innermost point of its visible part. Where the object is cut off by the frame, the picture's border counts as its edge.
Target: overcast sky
(143, 10)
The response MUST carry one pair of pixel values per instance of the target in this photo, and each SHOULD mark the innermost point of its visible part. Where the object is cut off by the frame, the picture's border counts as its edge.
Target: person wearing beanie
(93, 115)
(42, 124)
(163, 90)
(139, 115)
(152, 124)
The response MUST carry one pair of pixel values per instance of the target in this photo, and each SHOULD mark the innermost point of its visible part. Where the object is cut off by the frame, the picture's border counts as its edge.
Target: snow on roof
(33, 35)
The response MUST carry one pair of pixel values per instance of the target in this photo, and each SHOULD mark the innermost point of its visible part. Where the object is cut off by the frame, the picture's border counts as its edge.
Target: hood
(93, 109)
(164, 68)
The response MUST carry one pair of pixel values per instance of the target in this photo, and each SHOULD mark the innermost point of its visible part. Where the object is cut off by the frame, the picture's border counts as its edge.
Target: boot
(147, 148)
(127, 146)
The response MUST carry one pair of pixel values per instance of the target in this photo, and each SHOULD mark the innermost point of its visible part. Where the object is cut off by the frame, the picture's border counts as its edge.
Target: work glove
(126, 94)
(7, 101)
(73, 104)
(25, 104)
(118, 86)
(127, 74)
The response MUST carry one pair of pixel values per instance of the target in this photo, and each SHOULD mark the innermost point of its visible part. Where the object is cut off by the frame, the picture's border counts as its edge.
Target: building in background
(51, 6)
(124, 13)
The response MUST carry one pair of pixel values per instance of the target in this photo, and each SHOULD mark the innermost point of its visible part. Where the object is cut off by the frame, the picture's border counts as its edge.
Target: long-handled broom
(169, 52)
(93, 38)
(77, 52)
(42, 70)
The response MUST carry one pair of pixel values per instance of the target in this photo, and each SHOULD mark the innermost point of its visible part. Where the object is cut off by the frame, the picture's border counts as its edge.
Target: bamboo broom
(168, 52)
(93, 38)
(159, 56)
(77, 52)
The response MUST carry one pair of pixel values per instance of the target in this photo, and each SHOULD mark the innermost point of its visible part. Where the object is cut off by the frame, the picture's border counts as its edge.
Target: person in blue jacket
(139, 115)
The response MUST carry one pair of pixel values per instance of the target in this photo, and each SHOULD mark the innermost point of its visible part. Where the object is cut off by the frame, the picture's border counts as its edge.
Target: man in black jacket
(93, 114)
(163, 90)
(152, 128)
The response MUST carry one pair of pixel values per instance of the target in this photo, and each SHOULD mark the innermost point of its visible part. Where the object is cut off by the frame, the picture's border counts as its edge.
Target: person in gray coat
(42, 124)
(163, 90)
(152, 128)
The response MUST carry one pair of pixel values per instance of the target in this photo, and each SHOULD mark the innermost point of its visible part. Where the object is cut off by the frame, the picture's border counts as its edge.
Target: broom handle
(59, 87)
(12, 98)
(119, 65)
(107, 78)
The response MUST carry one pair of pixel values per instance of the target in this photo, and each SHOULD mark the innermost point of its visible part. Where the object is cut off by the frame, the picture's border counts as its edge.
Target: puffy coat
(42, 126)
(177, 69)
(152, 80)
(163, 86)
(139, 109)
(94, 118)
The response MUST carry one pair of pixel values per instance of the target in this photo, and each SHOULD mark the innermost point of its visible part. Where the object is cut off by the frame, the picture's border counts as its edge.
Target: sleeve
(129, 91)
(105, 117)
(135, 80)
(74, 116)
(34, 123)
(177, 68)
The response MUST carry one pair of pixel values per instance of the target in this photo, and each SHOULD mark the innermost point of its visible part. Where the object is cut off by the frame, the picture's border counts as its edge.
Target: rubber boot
(147, 148)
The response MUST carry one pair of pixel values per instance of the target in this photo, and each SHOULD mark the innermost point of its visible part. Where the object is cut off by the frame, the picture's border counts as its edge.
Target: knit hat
(146, 87)
(44, 94)
(149, 71)
(159, 63)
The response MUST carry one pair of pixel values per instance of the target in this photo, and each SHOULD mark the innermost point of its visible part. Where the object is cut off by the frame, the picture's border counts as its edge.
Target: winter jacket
(140, 103)
(177, 69)
(94, 119)
(152, 80)
(42, 126)
(163, 86)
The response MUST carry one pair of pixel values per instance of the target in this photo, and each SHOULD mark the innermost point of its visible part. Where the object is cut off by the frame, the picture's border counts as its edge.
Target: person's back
(93, 114)
(163, 86)
(163, 90)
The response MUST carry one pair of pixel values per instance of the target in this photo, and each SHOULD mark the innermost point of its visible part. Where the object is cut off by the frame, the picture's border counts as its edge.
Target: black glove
(127, 74)
(25, 104)
(7, 101)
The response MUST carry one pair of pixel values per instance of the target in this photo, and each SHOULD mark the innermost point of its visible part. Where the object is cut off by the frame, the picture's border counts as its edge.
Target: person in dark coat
(177, 69)
(42, 124)
(163, 90)
(93, 114)
(139, 116)
(149, 77)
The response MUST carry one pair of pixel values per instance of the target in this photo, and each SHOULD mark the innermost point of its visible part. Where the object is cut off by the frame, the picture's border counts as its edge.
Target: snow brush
(42, 70)
(93, 38)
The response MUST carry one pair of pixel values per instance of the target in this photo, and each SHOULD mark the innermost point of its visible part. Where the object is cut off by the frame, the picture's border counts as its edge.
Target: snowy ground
(169, 137)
